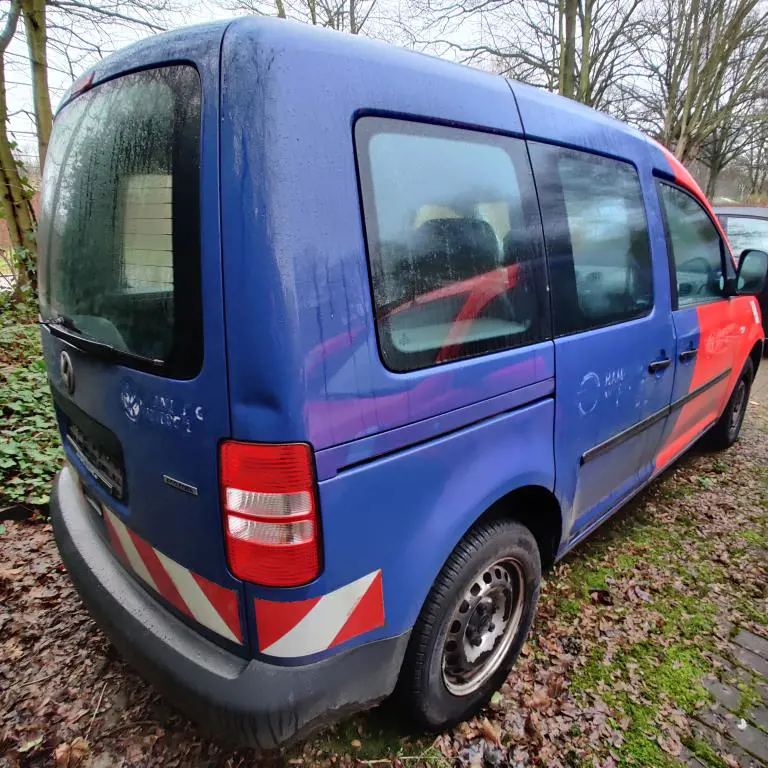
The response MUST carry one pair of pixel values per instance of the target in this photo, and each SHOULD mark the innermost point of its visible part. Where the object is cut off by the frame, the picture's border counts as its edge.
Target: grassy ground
(628, 628)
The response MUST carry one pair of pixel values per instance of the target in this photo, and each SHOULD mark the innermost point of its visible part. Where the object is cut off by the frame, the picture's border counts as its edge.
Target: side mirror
(751, 274)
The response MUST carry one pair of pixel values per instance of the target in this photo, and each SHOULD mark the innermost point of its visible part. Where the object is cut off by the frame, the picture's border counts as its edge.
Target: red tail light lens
(270, 513)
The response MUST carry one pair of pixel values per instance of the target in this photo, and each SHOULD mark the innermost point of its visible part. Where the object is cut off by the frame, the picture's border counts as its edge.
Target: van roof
(289, 34)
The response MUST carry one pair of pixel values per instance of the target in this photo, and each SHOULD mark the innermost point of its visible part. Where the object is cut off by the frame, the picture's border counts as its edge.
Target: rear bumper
(245, 702)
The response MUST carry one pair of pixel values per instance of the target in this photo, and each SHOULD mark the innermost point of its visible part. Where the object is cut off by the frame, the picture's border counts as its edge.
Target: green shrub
(30, 451)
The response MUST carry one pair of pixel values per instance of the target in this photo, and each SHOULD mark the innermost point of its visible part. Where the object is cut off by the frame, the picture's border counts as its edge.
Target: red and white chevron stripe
(303, 627)
(209, 604)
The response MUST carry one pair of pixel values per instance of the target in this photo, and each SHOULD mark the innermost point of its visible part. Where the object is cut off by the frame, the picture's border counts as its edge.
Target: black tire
(422, 685)
(726, 430)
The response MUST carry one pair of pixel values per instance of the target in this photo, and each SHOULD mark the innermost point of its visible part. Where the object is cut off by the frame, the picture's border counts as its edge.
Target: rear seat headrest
(451, 250)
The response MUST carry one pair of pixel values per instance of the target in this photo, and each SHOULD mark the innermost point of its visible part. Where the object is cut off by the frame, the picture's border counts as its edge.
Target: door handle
(659, 365)
(689, 354)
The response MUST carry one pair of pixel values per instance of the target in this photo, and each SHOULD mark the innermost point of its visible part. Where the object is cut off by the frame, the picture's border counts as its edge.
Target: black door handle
(689, 354)
(659, 365)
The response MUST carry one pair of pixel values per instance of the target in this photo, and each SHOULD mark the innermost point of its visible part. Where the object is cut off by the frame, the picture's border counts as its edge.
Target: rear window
(119, 223)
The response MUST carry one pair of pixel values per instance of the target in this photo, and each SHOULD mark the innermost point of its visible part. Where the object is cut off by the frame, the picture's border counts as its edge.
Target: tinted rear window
(119, 224)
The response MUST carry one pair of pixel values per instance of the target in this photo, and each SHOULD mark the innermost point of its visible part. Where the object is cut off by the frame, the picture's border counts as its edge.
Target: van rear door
(131, 305)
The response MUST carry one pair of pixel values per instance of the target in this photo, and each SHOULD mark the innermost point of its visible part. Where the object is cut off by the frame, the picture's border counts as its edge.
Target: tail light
(270, 513)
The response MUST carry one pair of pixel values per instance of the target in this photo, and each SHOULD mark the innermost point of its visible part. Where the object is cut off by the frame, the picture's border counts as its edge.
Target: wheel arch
(538, 509)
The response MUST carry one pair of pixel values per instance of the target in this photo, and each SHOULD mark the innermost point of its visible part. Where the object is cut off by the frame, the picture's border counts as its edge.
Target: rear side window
(597, 238)
(119, 224)
(697, 250)
(454, 241)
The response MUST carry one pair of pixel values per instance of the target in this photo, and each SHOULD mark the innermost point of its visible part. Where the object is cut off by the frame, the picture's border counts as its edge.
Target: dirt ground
(633, 630)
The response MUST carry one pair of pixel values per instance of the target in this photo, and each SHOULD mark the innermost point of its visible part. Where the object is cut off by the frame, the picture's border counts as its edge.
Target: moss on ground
(705, 753)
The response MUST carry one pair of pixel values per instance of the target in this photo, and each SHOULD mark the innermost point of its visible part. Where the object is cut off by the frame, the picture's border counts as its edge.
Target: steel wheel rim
(739, 401)
(483, 626)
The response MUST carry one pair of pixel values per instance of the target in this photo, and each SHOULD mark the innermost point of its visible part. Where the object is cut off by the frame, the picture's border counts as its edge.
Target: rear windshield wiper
(66, 328)
(63, 322)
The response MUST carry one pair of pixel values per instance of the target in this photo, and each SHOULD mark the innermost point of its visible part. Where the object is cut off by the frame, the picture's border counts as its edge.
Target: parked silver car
(747, 227)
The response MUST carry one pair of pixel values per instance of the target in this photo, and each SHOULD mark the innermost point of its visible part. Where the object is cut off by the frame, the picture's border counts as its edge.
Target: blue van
(347, 345)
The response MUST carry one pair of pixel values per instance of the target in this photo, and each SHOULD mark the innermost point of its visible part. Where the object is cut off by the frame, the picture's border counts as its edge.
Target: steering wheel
(698, 264)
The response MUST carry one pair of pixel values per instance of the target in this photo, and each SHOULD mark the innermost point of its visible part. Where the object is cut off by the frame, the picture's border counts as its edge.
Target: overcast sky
(18, 75)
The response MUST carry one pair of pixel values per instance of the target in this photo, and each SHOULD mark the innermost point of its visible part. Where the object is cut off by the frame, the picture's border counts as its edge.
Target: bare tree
(567, 12)
(582, 49)
(753, 161)
(37, 35)
(79, 31)
(15, 193)
(702, 62)
(344, 15)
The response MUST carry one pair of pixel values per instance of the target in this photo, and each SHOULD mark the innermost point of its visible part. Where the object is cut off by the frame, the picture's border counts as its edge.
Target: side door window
(454, 242)
(613, 348)
(613, 274)
(697, 248)
(706, 328)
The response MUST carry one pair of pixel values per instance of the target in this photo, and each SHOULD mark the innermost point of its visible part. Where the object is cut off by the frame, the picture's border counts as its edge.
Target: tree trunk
(583, 94)
(280, 9)
(714, 173)
(352, 19)
(15, 195)
(33, 12)
(568, 52)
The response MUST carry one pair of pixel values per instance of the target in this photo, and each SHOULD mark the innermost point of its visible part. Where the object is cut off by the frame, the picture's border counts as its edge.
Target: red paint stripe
(367, 615)
(114, 540)
(224, 602)
(274, 620)
(159, 574)
(487, 287)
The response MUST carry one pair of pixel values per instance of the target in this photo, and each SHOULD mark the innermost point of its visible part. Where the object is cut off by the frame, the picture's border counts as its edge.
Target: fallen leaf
(61, 756)
(28, 746)
(540, 699)
(491, 731)
(643, 595)
(78, 751)
(356, 743)
(601, 596)
(532, 725)
(555, 685)
(670, 743)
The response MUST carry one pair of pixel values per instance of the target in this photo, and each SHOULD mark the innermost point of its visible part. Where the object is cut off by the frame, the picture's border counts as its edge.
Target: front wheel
(473, 624)
(727, 428)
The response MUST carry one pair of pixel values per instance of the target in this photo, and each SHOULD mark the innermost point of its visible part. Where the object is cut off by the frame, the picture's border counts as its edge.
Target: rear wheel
(728, 427)
(473, 624)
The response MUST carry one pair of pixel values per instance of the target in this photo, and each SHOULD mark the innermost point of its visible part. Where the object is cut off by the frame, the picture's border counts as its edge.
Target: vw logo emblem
(67, 372)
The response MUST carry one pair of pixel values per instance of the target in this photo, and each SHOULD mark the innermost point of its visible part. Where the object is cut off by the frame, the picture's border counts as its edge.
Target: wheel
(473, 624)
(726, 430)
